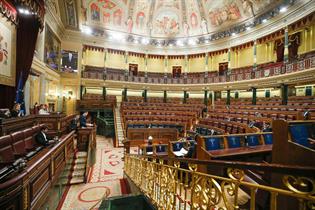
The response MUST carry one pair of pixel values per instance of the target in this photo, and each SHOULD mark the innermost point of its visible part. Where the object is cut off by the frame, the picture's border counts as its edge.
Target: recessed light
(248, 28)
(283, 9)
(191, 41)
(264, 20)
(87, 30)
(233, 34)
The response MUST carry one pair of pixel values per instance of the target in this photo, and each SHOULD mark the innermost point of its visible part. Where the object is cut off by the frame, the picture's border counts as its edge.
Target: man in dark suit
(42, 139)
(83, 123)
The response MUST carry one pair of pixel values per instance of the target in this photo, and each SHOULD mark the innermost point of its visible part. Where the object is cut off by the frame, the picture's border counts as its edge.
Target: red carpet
(105, 178)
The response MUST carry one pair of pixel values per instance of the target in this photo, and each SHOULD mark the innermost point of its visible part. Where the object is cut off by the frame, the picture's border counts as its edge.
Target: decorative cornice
(8, 11)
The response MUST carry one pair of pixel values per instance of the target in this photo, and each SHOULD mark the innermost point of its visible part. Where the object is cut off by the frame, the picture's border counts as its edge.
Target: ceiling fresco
(170, 18)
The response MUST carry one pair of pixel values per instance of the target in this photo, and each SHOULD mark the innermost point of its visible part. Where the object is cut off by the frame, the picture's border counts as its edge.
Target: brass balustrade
(171, 187)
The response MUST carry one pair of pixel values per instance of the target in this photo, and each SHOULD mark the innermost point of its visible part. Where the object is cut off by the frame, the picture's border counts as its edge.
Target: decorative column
(186, 66)
(126, 65)
(81, 91)
(42, 98)
(165, 68)
(124, 94)
(286, 45)
(144, 95)
(105, 59)
(146, 67)
(206, 64)
(165, 96)
(254, 95)
(228, 97)
(213, 99)
(206, 98)
(284, 94)
(255, 55)
(229, 62)
(165, 65)
(185, 97)
(104, 93)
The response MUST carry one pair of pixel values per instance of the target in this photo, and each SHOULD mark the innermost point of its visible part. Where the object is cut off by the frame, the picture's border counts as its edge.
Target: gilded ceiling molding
(8, 10)
(37, 7)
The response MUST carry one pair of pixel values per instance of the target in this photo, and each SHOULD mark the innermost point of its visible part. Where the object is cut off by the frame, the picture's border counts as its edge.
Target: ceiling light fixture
(87, 30)
(283, 9)
(264, 20)
(192, 42)
(179, 43)
(248, 28)
(25, 11)
(233, 34)
(145, 41)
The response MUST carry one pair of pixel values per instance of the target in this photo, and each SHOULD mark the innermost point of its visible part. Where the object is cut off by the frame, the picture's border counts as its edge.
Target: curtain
(279, 48)
(27, 31)
(294, 43)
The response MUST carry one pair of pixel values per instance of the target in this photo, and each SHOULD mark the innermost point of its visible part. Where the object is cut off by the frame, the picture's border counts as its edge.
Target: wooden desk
(85, 135)
(224, 153)
(11, 125)
(57, 123)
(156, 133)
(28, 189)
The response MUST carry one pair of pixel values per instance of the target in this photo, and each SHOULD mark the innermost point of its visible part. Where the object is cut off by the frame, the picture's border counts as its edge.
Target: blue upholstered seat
(177, 146)
(268, 138)
(252, 140)
(213, 143)
(161, 148)
(234, 141)
(300, 134)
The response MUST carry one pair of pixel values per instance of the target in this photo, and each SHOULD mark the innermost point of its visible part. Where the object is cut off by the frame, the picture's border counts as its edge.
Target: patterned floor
(105, 176)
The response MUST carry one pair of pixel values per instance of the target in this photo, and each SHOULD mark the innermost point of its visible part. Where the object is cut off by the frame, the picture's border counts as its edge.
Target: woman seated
(16, 111)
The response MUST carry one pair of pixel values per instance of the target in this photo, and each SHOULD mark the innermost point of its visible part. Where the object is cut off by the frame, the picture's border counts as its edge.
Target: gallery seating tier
(239, 74)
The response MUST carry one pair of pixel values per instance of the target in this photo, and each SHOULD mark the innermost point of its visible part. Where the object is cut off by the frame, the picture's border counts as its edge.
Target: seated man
(42, 139)
(266, 127)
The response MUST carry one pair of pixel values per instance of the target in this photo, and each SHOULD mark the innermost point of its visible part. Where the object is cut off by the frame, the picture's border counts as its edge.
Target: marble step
(80, 161)
(77, 180)
(63, 181)
(81, 154)
(78, 173)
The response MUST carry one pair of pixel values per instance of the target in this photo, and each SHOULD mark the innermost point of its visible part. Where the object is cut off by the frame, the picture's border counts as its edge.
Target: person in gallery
(43, 109)
(16, 111)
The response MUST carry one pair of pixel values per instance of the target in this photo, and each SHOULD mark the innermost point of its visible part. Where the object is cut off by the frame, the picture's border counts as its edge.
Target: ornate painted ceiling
(170, 18)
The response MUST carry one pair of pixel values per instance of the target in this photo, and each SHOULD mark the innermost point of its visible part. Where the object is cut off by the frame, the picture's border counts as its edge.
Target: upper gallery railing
(170, 186)
(239, 74)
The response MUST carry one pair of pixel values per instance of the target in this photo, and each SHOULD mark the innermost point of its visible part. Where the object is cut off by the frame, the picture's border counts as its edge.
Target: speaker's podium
(86, 138)
(86, 142)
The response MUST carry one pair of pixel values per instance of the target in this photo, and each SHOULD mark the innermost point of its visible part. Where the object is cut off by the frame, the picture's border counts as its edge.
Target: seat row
(18, 144)
(228, 126)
